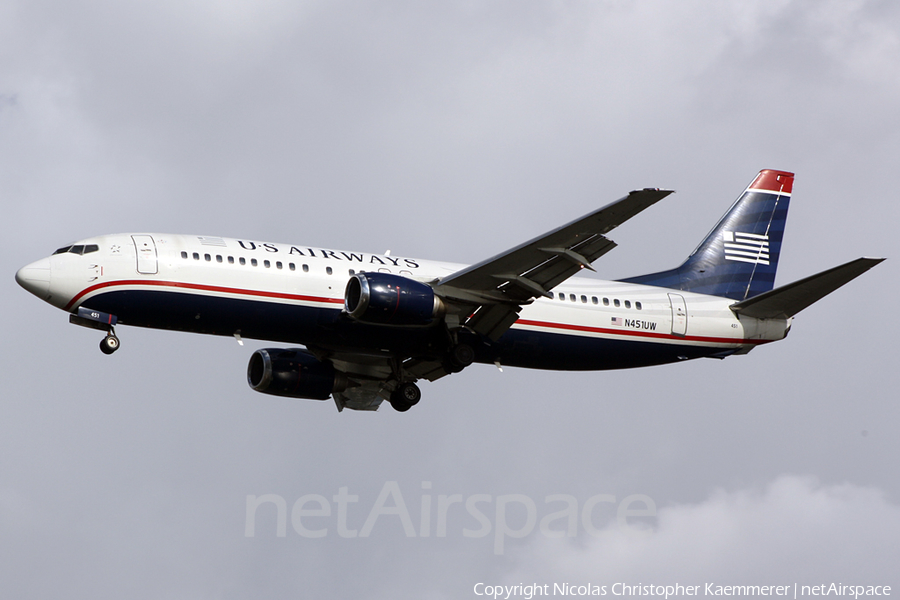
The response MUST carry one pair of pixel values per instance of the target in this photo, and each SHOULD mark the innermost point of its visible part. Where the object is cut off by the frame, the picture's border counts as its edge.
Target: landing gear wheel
(109, 344)
(409, 392)
(459, 357)
(463, 355)
(405, 396)
(400, 406)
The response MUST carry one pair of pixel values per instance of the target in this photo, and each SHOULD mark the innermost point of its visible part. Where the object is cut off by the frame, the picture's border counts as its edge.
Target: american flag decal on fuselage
(746, 247)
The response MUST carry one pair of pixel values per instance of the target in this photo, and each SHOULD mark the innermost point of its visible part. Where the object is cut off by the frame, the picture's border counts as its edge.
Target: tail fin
(739, 257)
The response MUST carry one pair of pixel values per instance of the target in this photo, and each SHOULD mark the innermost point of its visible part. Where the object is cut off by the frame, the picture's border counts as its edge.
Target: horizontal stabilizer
(786, 301)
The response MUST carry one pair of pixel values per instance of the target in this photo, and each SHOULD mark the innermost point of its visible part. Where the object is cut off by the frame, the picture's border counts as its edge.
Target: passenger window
(242, 260)
(218, 258)
(267, 264)
(230, 260)
(606, 302)
(196, 256)
(207, 257)
(306, 268)
(637, 305)
(594, 299)
(584, 299)
(184, 255)
(253, 262)
(562, 296)
(616, 303)
(292, 266)
(628, 304)
(352, 272)
(278, 264)
(572, 297)
(328, 270)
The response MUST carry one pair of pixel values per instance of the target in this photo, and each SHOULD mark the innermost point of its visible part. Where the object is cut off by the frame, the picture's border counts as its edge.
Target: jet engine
(293, 373)
(386, 299)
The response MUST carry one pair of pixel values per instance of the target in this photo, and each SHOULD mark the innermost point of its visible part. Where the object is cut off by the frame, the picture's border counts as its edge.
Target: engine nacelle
(386, 299)
(293, 373)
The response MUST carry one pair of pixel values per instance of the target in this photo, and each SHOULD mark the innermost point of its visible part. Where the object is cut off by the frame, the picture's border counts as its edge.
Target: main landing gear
(459, 357)
(405, 396)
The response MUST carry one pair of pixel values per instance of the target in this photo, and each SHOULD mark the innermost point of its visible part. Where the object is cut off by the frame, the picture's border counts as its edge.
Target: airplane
(370, 326)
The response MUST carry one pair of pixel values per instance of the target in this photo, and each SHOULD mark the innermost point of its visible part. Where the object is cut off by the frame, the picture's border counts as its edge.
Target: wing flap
(493, 320)
(423, 368)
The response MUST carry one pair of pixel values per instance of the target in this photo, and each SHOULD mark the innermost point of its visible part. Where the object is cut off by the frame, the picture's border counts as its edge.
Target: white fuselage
(301, 276)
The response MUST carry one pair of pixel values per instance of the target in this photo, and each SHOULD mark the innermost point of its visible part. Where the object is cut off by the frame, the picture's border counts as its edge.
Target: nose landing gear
(110, 343)
(95, 319)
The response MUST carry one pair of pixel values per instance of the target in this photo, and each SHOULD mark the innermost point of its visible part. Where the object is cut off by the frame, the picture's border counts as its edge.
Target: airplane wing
(486, 297)
(490, 294)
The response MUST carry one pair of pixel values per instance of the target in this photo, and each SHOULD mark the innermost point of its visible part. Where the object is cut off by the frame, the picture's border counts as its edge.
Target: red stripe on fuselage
(631, 333)
(301, 298)
(204, 288)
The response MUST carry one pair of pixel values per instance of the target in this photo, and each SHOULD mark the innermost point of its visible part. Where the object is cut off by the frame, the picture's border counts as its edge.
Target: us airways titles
(360, 257)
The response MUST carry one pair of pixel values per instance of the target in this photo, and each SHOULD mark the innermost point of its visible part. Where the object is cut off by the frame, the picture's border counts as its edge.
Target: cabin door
(679, 314)
(145, 249)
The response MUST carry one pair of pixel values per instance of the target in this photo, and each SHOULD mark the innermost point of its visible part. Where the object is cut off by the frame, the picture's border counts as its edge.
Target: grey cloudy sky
(449, 131)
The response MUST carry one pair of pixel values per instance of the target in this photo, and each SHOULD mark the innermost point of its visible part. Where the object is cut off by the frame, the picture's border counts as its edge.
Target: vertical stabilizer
(739, 257)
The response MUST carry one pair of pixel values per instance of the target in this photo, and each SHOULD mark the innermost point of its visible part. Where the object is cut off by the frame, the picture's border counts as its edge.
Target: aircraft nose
(36, 278)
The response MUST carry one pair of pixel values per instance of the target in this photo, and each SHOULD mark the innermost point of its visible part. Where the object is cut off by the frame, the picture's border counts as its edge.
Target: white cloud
(794, 530)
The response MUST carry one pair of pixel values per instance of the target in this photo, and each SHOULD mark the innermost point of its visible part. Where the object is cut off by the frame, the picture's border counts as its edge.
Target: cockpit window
(78, 249)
